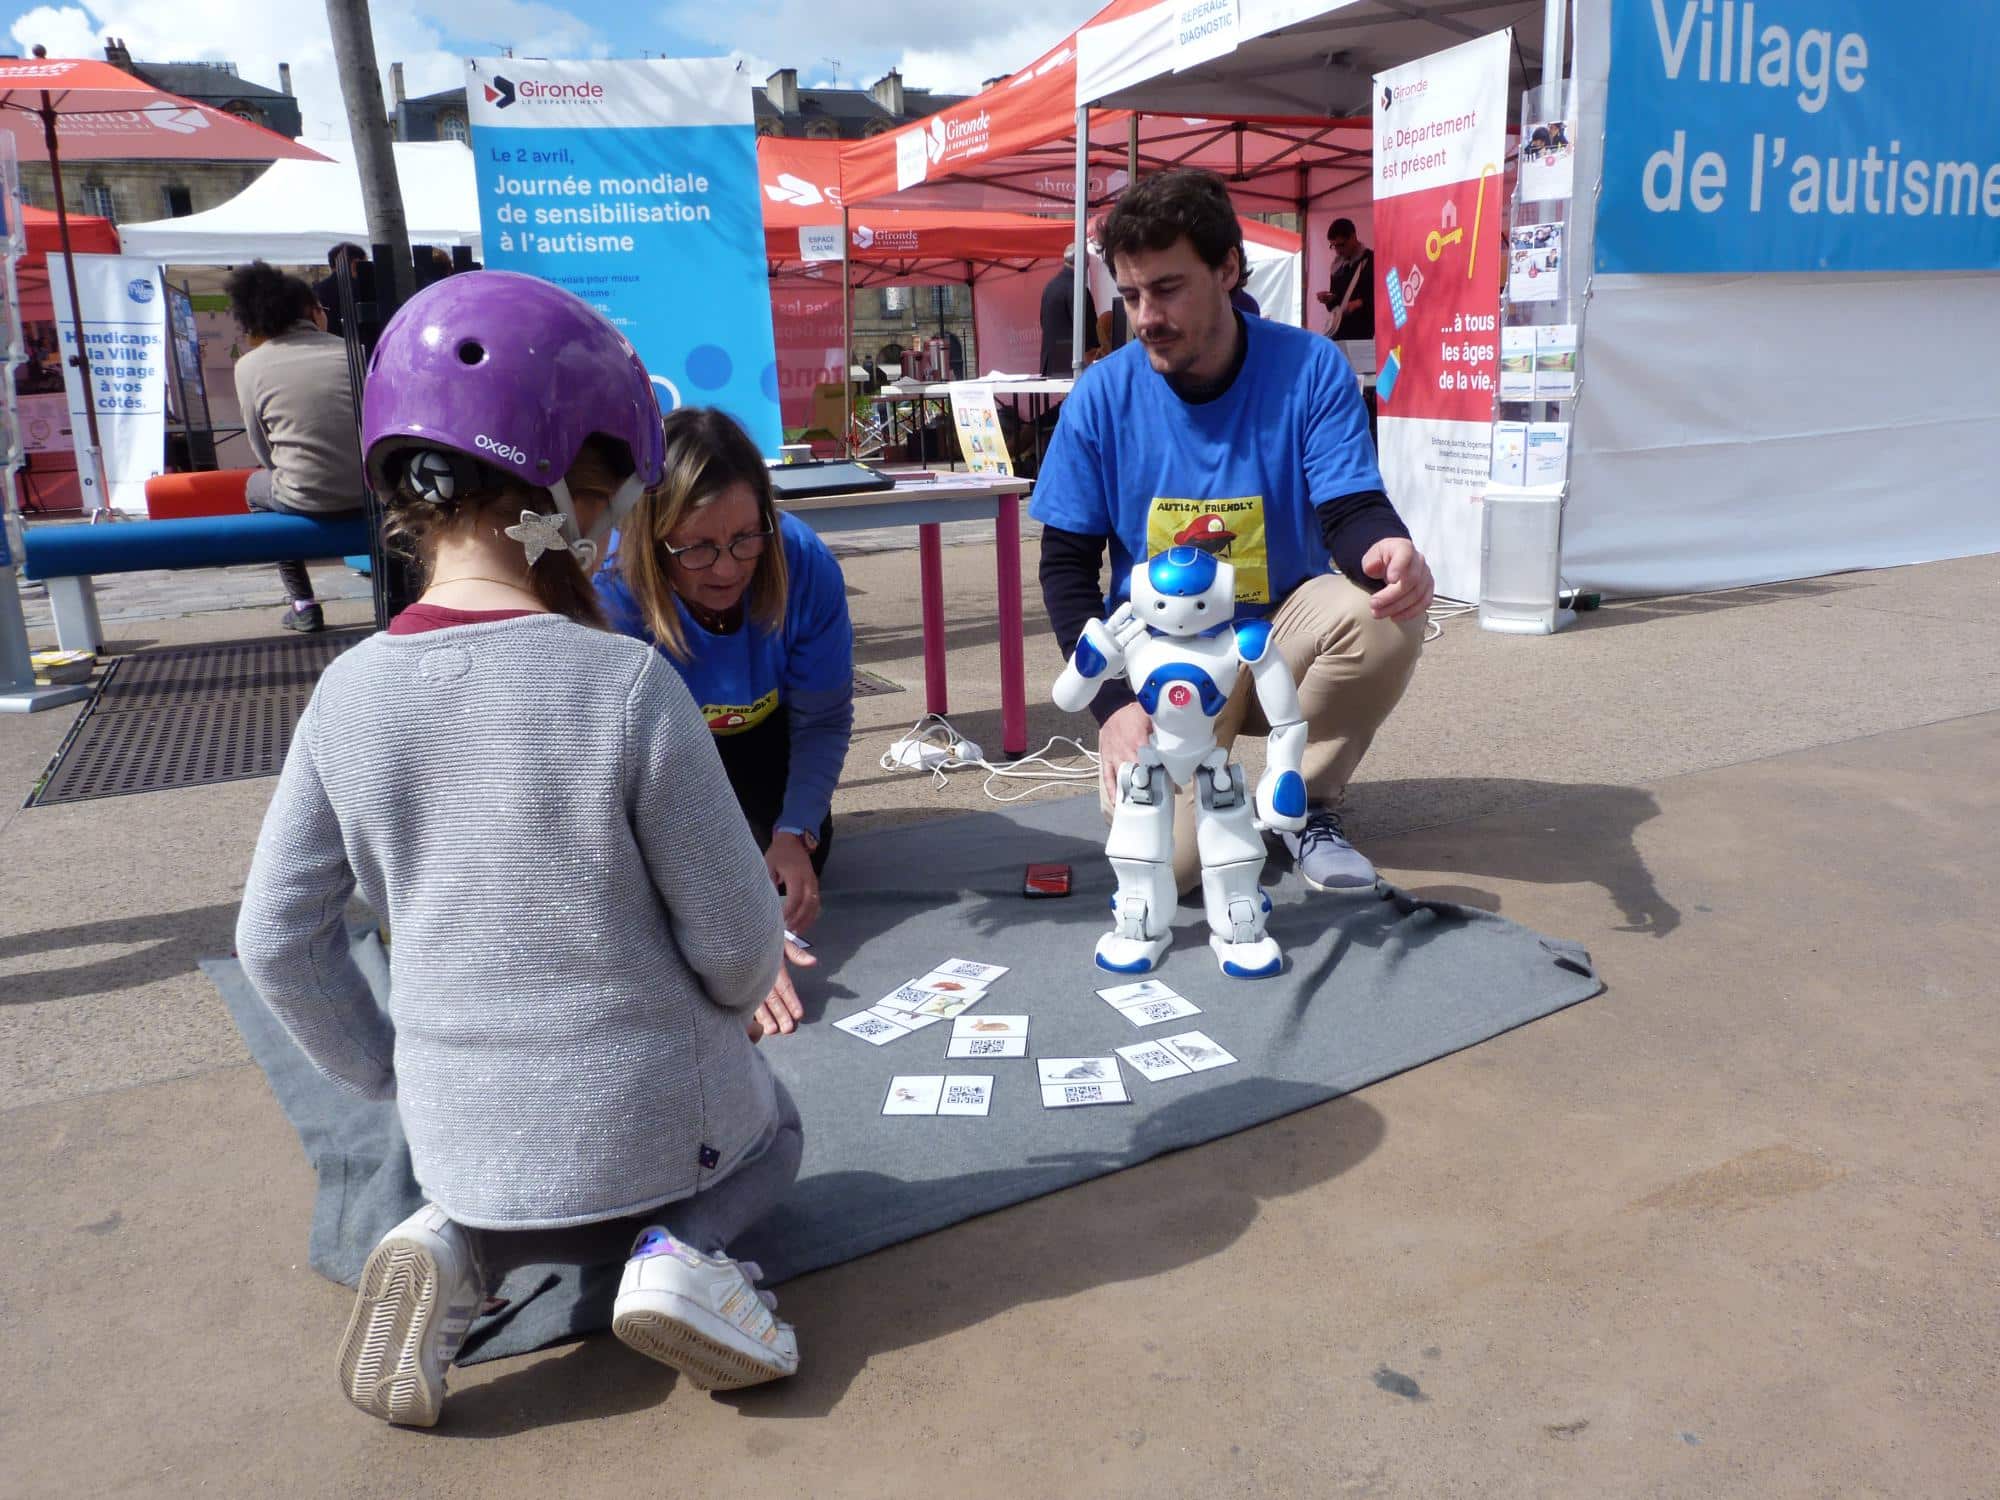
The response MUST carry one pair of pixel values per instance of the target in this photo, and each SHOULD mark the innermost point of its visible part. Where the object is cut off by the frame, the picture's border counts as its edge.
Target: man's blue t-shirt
(1237, 476)
(740, 679)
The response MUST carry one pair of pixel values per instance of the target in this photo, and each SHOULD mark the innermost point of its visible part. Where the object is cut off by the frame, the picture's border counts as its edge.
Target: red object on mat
(217, 492)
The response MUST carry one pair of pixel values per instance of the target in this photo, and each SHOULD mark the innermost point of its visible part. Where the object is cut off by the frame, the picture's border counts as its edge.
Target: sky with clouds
(951, 46)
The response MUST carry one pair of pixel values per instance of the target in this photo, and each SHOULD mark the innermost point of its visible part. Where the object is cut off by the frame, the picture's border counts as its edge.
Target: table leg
(930, 564)
(1013, 650)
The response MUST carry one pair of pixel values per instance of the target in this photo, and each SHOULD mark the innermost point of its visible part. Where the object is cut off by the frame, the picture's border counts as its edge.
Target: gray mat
(1373, 985)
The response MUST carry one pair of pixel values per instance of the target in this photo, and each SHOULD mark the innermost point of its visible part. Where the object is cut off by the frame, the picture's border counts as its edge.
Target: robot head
(1184, 591)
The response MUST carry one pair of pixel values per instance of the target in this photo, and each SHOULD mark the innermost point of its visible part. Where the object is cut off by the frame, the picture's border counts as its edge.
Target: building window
(451, 127)
(820, 130)
(97, 200)
(179, 201)
(246, 112)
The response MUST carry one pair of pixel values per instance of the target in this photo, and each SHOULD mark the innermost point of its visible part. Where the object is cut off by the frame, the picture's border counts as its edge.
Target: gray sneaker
(1325, 860)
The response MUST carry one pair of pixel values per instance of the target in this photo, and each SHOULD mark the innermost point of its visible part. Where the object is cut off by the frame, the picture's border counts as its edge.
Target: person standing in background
(1350, 295)
(1058, 321)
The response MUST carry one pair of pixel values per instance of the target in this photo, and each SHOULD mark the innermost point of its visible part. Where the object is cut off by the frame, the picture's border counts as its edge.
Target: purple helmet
(512, 371)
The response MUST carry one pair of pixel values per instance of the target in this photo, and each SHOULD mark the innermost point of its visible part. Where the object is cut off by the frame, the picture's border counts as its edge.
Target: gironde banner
(634, 185)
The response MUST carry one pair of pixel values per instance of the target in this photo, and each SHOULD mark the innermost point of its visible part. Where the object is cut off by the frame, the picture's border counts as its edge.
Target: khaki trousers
(1351, 670)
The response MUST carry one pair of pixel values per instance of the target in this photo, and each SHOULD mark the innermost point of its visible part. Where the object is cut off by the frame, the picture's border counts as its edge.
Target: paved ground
(1730, 1229)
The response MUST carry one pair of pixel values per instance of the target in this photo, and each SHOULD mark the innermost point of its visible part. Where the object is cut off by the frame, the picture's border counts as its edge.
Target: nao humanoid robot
(1176, 643)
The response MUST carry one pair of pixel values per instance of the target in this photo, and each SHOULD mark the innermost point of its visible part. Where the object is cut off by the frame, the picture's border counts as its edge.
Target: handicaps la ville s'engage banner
(634, 185)
(1801, 135)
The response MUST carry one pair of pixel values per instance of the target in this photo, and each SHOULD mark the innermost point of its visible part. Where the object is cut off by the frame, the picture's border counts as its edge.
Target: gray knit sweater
(580, 919)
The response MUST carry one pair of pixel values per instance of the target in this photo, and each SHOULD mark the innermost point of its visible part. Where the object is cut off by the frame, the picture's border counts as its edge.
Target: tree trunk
(361, 90)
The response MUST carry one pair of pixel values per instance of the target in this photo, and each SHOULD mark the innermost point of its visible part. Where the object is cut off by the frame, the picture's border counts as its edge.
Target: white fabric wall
(1733, 430)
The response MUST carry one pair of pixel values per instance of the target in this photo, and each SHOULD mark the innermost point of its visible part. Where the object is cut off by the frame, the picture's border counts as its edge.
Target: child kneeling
(582, 923)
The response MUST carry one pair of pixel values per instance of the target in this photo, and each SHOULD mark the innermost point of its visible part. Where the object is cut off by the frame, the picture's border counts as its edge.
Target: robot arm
(1281, 791)
(1099, 656)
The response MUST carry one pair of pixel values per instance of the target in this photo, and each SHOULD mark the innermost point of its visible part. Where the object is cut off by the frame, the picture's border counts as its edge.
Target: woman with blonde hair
(751, 609)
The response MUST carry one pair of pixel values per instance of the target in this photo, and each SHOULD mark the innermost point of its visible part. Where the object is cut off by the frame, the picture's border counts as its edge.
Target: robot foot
(1258, 960)
(1124, 955)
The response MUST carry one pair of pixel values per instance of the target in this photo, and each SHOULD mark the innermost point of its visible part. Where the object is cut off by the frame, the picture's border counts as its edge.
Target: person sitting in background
(1239, 295)
(298, 413)
(751, 609)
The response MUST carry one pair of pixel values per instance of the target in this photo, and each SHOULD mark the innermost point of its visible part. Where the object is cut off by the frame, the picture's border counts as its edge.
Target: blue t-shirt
(738, 680)
(1237, 476)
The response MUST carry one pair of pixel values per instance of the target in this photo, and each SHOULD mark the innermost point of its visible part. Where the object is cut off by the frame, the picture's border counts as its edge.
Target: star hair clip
(540, 533)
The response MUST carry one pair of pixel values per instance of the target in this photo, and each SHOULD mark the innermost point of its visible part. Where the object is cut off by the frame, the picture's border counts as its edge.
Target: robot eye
(1200, 604)
(1159, 604)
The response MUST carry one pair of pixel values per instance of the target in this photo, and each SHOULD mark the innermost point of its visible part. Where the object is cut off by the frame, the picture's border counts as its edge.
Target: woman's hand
(782, 1011)
(790, 864)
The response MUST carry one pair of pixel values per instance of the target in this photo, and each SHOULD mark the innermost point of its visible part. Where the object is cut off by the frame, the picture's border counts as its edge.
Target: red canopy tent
(91, 111)
(1015, 146)
(806, 226)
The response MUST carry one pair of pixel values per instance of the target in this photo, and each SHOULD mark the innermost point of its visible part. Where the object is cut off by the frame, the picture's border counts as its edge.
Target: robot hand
(1100, 655)
(1281, 791)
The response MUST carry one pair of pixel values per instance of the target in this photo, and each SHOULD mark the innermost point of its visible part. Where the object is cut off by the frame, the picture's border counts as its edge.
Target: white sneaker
(419, 1293)
(702, 1315)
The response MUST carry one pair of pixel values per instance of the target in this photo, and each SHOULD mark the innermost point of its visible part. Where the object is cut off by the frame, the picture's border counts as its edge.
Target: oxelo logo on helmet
(499, 449)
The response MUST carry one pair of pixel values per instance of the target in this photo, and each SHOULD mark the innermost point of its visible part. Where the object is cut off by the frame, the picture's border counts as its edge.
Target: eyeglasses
(745, 548)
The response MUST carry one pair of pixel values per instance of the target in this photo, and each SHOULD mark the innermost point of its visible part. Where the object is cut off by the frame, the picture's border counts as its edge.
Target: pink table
(926, 505)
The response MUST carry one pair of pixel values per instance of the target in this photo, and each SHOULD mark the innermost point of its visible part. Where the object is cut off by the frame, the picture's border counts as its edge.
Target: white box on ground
(1521, 560)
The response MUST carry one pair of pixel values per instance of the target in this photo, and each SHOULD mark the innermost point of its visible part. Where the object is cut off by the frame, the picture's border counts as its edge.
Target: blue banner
(1801, 135)
(634, 185)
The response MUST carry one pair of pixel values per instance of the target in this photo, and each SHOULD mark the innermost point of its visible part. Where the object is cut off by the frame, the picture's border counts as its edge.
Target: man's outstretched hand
(1407, 587)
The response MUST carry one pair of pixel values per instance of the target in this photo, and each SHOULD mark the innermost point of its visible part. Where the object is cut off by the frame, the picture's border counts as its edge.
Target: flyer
(1534, 263)
(1510, 447)
(1555, 362)
(1517, 364)
(1548, 162)
(1548, 452)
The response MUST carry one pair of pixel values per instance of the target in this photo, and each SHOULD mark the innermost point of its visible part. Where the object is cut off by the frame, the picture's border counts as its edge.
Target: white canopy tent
(299, 210)
(1729, 429)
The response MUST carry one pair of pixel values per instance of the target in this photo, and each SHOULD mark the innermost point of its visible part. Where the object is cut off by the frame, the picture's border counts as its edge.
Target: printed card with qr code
(1152, 1012)
(937, 982)
(967, 1094)
(1197, 1051)
(903, 997)
(1131, 994)
(1070, 1095)
(1077, 1069)
(913, 1096)
(871, 1028)
(990, 1026)
(1154, 1062)
(987, 1046)
(966, 968)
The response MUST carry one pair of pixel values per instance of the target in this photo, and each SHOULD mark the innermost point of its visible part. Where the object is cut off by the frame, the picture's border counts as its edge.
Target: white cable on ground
(933, 744)
(1441, 610)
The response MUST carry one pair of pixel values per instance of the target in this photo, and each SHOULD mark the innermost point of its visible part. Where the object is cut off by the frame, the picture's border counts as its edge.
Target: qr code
(1082, 1093)
(986, 1047)
(1154, 1057)
(1159, 1010)
(964, 1093)
(874, 1026)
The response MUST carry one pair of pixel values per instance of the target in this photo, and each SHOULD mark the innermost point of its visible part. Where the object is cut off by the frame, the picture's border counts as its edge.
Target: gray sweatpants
(711, 1220)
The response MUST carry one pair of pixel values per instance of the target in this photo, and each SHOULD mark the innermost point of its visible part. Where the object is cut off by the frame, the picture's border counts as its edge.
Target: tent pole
(1132, 147)
(82, 358)
(846, 338)
(1305, 256)
(1080, 286)
(1553, 13)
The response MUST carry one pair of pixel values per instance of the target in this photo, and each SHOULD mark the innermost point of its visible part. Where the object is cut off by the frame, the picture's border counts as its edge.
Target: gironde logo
(500, 92)
(503, 91)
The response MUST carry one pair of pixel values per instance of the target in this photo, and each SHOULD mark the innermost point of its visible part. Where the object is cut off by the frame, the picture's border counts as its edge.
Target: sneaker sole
(381, 1363)
(1338, 890)
(708, 1363)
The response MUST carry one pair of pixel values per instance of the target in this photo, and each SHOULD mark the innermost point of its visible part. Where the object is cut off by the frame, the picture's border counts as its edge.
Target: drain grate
(870, 685)
(191, 716)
